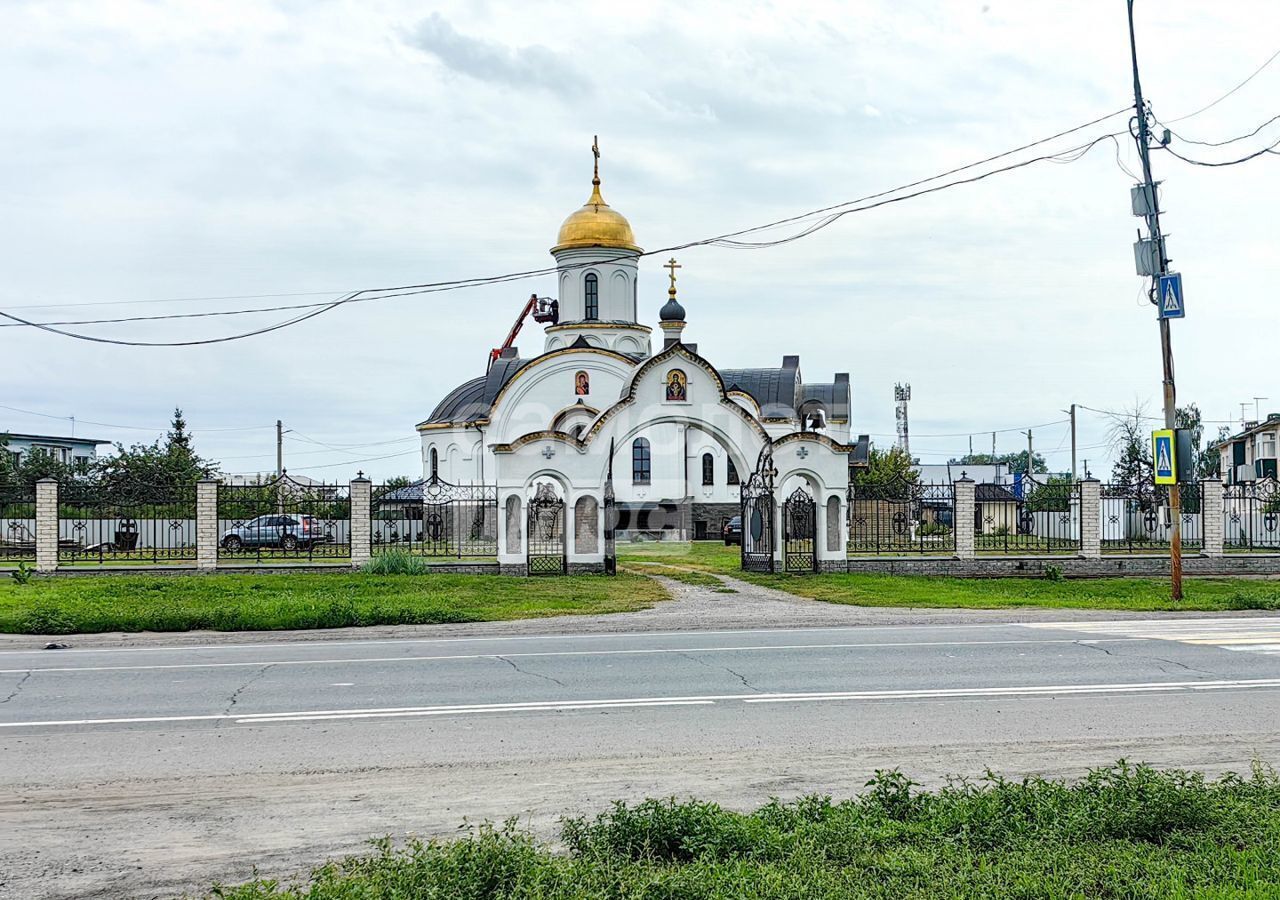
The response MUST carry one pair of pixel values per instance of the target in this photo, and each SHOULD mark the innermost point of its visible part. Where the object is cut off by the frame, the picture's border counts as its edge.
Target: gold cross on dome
(595, 151)
(673, 265)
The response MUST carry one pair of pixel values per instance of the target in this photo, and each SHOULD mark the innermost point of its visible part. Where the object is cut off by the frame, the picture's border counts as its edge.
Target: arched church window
(733, 474)
(641, 461)
(708, 469)
(435, 464)
(591, 286)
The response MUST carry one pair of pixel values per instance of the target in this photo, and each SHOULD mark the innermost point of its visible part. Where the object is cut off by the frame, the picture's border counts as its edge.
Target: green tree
(169, 465)
(889, 475)
(1017, 462)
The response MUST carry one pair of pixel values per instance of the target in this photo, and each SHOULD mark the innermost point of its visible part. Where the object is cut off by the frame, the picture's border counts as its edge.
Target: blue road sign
(1169, 297)
(1163, 453)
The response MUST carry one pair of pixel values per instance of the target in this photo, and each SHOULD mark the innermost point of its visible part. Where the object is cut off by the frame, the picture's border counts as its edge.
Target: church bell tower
(597, 261)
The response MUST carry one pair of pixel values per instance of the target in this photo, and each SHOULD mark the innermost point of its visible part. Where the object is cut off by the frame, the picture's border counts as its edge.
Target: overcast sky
(213, 150)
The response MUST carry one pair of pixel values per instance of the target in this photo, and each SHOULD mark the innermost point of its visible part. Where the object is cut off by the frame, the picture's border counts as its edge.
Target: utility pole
(1073, 444)
(279, 448)
(993, 447)
(1152, 215)
(1030, 467)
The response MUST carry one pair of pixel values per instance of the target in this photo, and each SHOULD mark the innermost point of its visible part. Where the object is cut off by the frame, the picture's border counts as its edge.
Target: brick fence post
(1091, 518)
(963, 525)
(1211, 523)
(207, 524)
(361, 523)
(47, 525)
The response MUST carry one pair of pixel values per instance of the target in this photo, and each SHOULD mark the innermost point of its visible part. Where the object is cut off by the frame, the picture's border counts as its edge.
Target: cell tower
(901, 394)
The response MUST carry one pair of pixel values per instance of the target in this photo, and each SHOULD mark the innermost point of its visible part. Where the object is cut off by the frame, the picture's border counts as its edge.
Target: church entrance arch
(548, 536)
(758, 516)
(800, 531)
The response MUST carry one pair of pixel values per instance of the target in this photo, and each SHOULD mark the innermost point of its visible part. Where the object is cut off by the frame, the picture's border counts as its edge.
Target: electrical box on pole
(1145, 200)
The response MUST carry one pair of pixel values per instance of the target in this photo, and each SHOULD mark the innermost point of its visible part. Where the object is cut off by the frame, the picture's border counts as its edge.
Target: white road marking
(543, 706)
(636, 651)
(1253, 635)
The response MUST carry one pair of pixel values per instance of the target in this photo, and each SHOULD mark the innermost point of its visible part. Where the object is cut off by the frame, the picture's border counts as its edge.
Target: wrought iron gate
(800, 532)
(610, 521)
(757, 516)
(547, 534)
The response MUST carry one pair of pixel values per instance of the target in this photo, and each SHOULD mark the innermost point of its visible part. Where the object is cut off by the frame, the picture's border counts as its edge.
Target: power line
(177, 300)
(1269, 61)
(80, 421)
(1233, 140)
(860, 205)
(1232, 162)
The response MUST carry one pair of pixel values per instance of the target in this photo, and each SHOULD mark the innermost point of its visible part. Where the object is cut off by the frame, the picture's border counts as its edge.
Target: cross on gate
(802, 452)
(548, 452)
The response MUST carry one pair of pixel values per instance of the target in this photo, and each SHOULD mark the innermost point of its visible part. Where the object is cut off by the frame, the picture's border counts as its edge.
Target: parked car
(733, 531)
(288, 532)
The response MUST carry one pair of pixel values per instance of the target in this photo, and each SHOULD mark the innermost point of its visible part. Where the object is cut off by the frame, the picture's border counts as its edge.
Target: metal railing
(1137, 518)
(284, 520)
(435, 518)
(1251, 516)
(1028, 516)
(902, 516)
(140, 524)
(18, 523)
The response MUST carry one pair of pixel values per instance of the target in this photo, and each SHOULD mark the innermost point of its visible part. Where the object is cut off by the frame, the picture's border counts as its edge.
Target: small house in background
(1251, 454)
(995, 510)
(71, 451)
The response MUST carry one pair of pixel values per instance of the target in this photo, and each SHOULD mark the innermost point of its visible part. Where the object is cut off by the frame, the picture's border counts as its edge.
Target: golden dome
(596, 224)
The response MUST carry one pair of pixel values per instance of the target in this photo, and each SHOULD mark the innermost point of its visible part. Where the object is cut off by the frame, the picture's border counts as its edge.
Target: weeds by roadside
(1123, 831)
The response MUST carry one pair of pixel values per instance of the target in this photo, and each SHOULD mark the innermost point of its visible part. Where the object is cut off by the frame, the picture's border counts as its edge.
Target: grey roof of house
(993, 493)
(410, 493)
(52, 437)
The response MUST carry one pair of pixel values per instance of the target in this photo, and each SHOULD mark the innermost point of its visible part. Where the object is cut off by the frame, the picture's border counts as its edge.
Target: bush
(1241, 600)
(396, 562)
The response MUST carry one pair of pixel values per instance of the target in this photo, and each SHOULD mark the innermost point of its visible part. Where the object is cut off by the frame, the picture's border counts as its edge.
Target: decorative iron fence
(285, 520)
(436, 518)
(902, 516)
(1137, 518)
(1027, 517)
(18, 522)
(143, 524)
(1251, 516)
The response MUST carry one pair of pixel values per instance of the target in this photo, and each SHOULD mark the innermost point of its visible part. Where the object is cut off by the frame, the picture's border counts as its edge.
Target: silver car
(288, 532)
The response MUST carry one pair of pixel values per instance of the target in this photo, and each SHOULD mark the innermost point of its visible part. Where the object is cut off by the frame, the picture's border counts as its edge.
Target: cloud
(494, 62)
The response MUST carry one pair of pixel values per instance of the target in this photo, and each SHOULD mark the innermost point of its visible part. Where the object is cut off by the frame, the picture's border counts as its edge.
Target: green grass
(252, 602)
(1143, 594)
(1122, 832)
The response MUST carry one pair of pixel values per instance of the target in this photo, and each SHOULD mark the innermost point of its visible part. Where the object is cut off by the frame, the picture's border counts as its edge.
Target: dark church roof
(774, 390)
(473, 399)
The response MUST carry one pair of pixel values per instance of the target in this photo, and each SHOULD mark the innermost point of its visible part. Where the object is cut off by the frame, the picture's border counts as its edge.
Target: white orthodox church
(605, 426)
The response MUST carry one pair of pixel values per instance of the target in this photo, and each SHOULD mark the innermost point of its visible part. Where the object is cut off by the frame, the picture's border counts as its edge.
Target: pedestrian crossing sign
(1169, 297)
(1164, 456)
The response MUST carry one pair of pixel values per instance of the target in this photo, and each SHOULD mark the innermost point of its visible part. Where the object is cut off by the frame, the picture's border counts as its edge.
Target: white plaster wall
(545, 387)
(616, 271)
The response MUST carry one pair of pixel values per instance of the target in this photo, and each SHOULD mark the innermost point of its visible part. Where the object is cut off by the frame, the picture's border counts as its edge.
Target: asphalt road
(150, 770)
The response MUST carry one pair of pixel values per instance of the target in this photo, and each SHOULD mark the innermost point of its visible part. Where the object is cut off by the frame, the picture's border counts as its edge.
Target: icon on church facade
(582, 384)
(677, 386)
